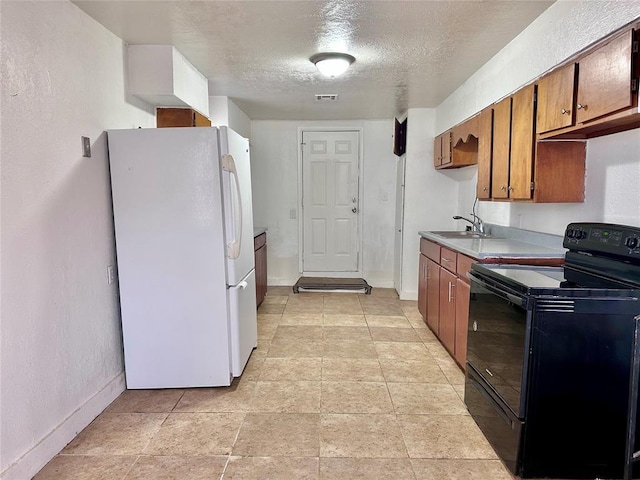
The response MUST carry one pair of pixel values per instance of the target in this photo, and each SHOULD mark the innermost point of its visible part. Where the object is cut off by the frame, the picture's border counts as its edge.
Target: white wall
(224, 112)
(274, 171)
(61, 362)
(613, 162)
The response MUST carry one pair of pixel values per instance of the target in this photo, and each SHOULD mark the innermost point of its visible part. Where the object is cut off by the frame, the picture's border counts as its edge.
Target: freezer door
(243, 323)
(237, 202)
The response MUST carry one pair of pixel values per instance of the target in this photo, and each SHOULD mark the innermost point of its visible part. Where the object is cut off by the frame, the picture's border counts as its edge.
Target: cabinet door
(422, 287)
(433, 296)
(604, 79)
(446, 148)
(485, 143)
(501, 145)
(261, 273)
(522, 143)
(437, 151)
(447, 330)
(555, 99)
(462, 320)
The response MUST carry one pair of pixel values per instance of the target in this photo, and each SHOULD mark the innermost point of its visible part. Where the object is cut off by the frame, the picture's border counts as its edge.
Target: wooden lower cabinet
(260, 252)
(433, 296)
(422, 286)
(443, 296)
(463, 292)
(447, 333)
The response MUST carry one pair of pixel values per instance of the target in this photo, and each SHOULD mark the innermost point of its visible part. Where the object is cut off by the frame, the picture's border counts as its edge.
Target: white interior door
(330, 202)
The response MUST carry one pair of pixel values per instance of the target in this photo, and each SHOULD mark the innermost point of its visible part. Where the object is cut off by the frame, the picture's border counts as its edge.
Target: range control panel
(606, 238)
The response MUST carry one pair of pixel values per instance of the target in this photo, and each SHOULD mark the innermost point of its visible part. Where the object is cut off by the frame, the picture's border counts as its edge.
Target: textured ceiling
(408, 53)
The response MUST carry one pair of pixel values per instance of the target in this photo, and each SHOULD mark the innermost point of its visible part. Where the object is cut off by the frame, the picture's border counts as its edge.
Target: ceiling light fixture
(332, 64)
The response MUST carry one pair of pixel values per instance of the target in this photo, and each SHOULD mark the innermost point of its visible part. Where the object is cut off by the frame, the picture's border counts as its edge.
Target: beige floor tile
(444, 436)
(396, 321)
(456, 469)
(351, 370)
(305, 303)
(279, 435)
(348, 349)
(272, 468)
(299, 332)
(347, 320)
(279, 290)
(253, 368)
(271, 308)
(276, 299)
(146, 401)
(262, 349)
(355, 397)
(292, 369)
(301, 319)
(403, 351)
(235, 398)
(267, 330)
(452, 371)
(382, 308)
(295, 348)
(426, 335)
(460, 391)
(271, 318)
(361, 436)
(409, 306)
(346, 333)
(437, 351)
(116, 434)
(175, 467)
(366, 469)
(86, 467)
(286, 397)
(411, 371)
(351, 307)
(196, 434)
(377, 292)
(416, 321)
(426, 398)
(386, 334)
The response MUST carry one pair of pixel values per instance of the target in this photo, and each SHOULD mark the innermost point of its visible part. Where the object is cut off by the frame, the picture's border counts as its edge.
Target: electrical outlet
(111, 274)
(86, 147)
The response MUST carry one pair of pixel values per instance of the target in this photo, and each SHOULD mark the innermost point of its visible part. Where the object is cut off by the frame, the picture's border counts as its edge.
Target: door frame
(358, 273)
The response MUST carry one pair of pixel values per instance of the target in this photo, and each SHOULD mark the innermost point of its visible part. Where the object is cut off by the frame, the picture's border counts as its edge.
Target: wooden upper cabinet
(485, 143)
(180, 117)
(556, 99)
(522, 143)
(501, 148)
(442, 149)
(465, 132)
(604, 79)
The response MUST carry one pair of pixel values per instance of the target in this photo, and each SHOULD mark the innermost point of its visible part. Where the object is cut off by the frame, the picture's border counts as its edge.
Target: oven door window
(497, 339)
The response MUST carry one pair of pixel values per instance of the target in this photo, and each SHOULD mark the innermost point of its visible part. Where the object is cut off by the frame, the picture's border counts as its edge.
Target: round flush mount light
(332, 64)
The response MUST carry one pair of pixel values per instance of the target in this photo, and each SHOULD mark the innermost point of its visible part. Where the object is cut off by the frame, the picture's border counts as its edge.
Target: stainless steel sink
(463, 234)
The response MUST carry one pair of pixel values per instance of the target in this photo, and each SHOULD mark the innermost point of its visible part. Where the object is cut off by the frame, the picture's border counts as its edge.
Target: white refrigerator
(184, 241)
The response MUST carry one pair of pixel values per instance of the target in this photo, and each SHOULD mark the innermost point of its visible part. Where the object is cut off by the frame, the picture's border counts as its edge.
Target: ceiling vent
(326, 97)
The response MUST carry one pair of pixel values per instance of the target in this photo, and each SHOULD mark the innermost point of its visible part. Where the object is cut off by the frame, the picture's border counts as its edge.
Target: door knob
(354, 210)
(354, 199)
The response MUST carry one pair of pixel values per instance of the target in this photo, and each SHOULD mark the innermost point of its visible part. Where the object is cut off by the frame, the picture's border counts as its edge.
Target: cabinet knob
(485, 189)
(581, 106)
(502, 187)
(511, 189)
(564, 111)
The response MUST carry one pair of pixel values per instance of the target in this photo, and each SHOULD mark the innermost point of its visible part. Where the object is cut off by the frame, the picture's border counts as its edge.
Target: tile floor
(342, 386)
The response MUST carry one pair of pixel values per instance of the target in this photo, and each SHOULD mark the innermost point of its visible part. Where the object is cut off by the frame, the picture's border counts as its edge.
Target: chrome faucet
(476, 224)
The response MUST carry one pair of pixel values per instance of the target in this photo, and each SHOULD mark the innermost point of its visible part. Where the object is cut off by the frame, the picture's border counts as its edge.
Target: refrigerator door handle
(243, 284)
(233, 248)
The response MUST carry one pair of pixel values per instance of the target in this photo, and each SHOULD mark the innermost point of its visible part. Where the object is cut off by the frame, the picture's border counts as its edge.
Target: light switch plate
(111, 274)
(86, 147)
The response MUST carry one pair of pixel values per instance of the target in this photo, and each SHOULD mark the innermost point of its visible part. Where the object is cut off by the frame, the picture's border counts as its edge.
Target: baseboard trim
(39, 455)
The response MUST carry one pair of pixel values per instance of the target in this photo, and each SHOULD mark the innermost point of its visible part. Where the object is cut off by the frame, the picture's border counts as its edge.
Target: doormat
(332, 284)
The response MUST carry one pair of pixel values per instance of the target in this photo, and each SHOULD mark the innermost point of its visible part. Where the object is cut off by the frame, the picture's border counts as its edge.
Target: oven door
(498, 338)
(496, 420)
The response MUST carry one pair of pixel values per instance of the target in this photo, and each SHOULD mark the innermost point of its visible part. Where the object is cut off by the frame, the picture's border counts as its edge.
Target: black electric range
(549, 355)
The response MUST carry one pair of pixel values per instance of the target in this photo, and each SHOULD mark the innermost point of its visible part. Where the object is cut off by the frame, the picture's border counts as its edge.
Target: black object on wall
(400, 137)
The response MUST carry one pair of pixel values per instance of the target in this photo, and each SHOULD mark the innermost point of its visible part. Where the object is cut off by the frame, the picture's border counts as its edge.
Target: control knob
(631, 242)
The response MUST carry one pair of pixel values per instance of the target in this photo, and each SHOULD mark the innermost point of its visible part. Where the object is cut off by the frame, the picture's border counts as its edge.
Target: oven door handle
(500, 292)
